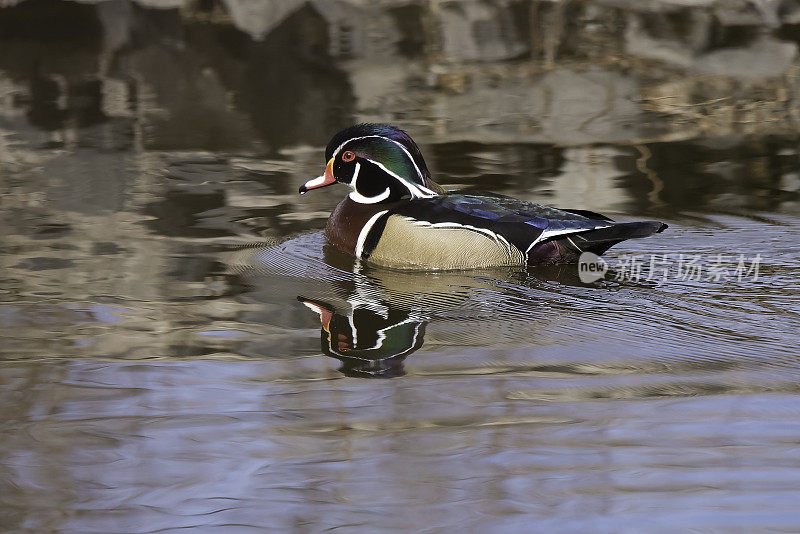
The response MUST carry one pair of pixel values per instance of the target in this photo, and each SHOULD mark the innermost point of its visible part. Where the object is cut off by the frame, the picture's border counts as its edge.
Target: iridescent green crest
(389, 154)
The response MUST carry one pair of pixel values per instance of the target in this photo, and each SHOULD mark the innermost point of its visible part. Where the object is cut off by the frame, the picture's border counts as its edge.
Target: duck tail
(600, 240)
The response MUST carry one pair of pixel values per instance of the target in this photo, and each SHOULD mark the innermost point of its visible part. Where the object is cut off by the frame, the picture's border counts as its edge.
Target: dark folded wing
(521, 223)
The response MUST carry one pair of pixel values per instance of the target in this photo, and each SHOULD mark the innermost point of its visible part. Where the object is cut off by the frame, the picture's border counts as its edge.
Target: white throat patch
(361, 199)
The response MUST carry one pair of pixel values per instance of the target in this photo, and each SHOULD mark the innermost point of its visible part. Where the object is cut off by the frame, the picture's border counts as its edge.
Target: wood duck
(397, 216)
(371, 339)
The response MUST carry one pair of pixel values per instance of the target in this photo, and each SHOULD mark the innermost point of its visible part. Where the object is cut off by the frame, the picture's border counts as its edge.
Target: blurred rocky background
(258, 76)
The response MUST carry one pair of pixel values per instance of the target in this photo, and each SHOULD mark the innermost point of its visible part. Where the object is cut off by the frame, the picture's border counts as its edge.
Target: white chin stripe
(361, 199)
(316, 182)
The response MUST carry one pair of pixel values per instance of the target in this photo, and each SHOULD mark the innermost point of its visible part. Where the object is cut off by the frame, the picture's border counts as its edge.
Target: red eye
(348, 156)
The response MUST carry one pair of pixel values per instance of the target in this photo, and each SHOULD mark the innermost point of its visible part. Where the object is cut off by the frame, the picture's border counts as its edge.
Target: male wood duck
(397, 216)
(371, 340)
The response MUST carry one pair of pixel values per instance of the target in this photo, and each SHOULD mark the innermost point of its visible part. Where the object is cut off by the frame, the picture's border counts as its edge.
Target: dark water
(163, 288)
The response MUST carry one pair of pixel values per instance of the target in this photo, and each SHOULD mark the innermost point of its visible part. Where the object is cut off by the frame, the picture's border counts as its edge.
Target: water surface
(182, 348)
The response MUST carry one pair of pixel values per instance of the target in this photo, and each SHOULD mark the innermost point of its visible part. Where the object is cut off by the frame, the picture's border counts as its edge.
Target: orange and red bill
(326, 178)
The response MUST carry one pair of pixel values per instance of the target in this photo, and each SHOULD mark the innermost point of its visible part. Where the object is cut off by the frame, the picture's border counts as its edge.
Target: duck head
(380, 163)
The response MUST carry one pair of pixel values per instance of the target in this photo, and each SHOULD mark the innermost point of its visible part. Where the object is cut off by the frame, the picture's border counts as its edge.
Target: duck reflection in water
(370, 338)
(372, 318)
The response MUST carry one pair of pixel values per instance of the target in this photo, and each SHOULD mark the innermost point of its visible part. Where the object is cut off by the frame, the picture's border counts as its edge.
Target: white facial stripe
(319, 180)
(362, 236)
(414, 163)
(426, 190)
(417, 191)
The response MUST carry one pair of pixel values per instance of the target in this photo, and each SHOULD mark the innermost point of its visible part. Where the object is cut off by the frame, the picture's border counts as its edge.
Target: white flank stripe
(547, 235)
(500, 240)
(365, 231)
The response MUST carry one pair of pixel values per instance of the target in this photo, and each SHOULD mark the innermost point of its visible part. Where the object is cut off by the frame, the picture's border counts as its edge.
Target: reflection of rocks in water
(190, 82)
(177, 213)
(291, 88)
(718, 174)
(479, 31)
(222, 90)
(237, 75)
(517, 95)
(52, 49)
(370, 339)
(235, 91)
